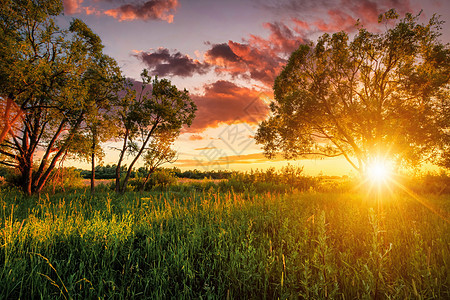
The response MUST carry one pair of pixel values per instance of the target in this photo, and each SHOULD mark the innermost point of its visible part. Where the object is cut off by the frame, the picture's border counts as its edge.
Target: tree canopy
(377, 96)
(56, 77)
(148, 115)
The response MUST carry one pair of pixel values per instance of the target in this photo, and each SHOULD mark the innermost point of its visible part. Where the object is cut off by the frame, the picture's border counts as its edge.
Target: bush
(429, 183)
(160, 179)
(287, 179)
(62, 179)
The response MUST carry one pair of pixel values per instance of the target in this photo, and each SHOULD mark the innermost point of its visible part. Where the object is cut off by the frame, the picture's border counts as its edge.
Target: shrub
(429, 183)
(160, 179)
(287, 179)
(62, 179)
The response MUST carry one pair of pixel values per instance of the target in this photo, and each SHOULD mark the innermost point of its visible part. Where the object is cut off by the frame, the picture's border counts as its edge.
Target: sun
(379, 171)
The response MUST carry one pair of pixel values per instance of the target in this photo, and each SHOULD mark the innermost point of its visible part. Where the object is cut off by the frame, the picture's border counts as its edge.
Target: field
(207, 244)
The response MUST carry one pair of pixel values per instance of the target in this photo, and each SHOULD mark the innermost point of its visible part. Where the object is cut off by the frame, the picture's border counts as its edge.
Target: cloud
(193, 163)
(282, 39)
(262, 59)
(257, 58)
(252, 158)
(220, 54)
(293, 6)
(341, 15)
(224, 102)
(204, 148)
(150, 10)
(163, 63)
(338, 20)
(302, 26)
(196, 137)
(349, 12)
(72, 6)
(242, 159)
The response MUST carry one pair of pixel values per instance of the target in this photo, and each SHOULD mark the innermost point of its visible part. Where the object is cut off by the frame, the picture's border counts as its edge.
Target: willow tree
(378, 96)
(45, 70)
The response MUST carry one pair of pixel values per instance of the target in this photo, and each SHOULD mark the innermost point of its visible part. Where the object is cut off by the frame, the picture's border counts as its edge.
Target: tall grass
(206, 244)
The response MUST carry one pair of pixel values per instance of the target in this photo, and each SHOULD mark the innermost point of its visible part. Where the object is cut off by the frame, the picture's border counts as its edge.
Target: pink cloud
(225, 103)
(161, 62)
(338, 20)
(345, 15)
(301, 25)
(72, 6)
(150, 10)
(257, 58)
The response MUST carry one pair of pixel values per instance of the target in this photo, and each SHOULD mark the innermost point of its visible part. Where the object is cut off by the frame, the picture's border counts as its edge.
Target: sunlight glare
(378, 171)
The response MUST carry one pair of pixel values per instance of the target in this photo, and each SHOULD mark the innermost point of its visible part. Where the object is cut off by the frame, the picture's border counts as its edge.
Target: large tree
(379, 96)
(147, 112)
(48, 72)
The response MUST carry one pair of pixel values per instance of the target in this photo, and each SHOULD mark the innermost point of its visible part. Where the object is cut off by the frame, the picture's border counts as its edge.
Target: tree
(104, 82)
(146, 114)
(380, 96)
(45, 70)
(10, 115)
(159, 152)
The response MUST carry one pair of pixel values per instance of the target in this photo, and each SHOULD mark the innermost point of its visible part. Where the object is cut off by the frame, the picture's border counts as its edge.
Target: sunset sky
(227, 54)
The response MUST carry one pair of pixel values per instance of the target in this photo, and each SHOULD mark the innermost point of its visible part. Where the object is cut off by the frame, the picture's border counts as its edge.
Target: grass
(206, 244)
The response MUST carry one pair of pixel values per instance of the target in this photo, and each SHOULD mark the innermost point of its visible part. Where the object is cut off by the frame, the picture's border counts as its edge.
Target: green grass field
(206, 244)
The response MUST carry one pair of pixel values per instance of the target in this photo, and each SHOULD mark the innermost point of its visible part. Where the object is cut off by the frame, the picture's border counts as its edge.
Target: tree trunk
(26, 168)
(150, 171)
(27, 176)
(93, 164)
(43, 177)
(50, 147)
(119, 163)
(130, 168)
(93, 173)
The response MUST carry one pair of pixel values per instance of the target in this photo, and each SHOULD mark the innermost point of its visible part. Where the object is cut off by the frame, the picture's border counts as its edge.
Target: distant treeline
(109, 172)
(256, 181)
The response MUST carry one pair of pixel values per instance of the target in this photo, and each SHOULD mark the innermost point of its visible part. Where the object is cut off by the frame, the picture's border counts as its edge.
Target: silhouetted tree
(380, 96)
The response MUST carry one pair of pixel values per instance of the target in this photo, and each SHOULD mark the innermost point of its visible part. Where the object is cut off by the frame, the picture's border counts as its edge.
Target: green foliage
(4, 171)
(159, 179)
(429, 183)
(336, 184)
(60, 180)
(289, 178)
(212, 245)
(379, 96)
(102, 172)
(64, 180)
(151, 119)
(58, 77)
(197, 174)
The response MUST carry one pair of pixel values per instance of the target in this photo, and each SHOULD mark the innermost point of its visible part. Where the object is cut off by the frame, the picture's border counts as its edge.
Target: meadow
(204, 242)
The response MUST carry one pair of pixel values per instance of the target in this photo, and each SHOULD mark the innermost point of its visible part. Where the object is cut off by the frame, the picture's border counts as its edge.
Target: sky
(227, 55)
